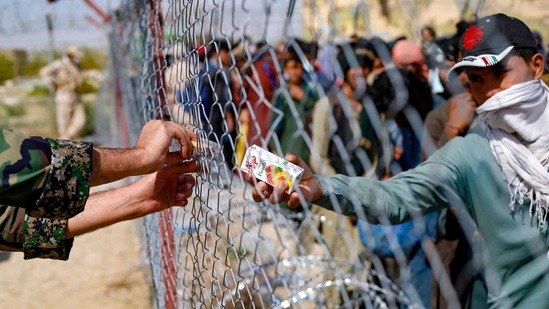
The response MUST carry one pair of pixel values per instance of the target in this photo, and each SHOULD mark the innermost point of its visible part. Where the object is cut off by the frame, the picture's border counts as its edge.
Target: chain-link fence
(289, 76)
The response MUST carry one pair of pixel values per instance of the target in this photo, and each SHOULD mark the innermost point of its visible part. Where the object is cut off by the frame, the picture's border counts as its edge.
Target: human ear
(537, 65)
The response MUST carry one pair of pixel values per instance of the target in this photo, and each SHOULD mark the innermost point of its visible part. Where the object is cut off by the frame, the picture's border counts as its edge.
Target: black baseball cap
(489, 40)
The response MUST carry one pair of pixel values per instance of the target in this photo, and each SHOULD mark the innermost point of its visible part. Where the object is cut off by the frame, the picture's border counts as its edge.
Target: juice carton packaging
(271, 168)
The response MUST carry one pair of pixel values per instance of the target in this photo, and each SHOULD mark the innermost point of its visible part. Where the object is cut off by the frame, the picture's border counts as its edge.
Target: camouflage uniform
(67, 80)
(44, 182)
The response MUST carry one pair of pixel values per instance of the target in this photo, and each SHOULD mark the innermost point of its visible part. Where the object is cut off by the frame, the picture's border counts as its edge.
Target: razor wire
(224, 250)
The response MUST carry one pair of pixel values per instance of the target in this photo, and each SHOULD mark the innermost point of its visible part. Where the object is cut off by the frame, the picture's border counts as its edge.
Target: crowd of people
(361, 107)
(468, 147)
(439, 139)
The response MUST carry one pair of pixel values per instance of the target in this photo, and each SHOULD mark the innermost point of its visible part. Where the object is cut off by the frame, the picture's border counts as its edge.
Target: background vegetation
(26, 104)
(30, 64)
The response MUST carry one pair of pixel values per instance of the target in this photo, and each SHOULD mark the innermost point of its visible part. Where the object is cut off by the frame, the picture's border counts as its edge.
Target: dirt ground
(106, 269)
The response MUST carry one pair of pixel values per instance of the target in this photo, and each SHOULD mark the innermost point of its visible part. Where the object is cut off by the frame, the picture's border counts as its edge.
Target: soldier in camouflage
(65, 77)
(45, 185)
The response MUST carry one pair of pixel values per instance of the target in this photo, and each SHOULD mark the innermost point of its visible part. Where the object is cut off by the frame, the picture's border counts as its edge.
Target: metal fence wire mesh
(288, 76)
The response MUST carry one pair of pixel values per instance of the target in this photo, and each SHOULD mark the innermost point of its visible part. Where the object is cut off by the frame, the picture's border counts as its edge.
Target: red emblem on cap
(472, 37)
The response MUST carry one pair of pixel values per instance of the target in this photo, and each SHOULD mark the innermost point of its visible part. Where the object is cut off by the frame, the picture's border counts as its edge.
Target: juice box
(271, 168)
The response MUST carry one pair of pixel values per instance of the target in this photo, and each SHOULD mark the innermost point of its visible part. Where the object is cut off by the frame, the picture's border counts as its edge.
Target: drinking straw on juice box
(271, 168)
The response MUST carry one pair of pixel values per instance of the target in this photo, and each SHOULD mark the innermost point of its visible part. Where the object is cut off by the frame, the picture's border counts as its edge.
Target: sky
(23, 24)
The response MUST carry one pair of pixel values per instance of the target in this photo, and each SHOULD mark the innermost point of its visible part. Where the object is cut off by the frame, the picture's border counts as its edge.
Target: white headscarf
(516, 121)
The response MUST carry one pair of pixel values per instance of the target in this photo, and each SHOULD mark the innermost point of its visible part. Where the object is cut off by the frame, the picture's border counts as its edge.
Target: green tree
(6, 69)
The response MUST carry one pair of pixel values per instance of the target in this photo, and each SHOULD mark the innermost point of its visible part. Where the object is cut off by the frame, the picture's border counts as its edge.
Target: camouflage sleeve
(48, 178)
(11, 228)
(14, 222)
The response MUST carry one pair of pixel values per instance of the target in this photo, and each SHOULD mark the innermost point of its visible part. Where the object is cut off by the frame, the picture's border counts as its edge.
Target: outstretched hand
(172, 185)
(155, 139)
(310, 189)
(151, 152)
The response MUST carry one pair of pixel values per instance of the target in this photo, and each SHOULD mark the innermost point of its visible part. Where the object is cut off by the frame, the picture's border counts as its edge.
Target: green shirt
(290, 120)
(515, 250)
(44, 182)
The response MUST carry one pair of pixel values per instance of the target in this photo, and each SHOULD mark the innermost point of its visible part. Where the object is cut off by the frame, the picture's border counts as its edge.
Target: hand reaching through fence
(171, 186)
(49, 181)
(151, 151)
(309, 187)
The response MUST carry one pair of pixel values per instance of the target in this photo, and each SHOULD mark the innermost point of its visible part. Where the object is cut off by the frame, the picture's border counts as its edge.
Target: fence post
(169, 272)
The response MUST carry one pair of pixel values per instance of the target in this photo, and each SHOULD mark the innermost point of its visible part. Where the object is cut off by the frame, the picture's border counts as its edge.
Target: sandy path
(106, 269)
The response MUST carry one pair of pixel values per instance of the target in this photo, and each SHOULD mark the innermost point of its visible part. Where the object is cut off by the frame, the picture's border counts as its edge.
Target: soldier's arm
(62, 170)
(151, 151)
(11, 228)
(51, 178)
(47, 178)
(151, 193)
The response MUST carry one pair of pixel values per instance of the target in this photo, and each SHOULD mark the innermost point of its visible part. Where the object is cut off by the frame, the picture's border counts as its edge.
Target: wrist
(451, 130)
(319, 193)
(139, 162)
(102, 209)
(458, 128)
(127, 203)
(114, 164)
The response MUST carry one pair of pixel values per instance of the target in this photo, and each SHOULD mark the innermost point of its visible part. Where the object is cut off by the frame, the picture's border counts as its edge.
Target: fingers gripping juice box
(271, 168)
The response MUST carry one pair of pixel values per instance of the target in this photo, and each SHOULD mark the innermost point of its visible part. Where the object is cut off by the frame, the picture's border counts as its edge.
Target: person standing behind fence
(497, 172)
(455, 117)
(336, 133)
(397, 102)
(254, 94)
(65, 77)
(292, 104)
(337, 139)
(407, 55)
(216, 96)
